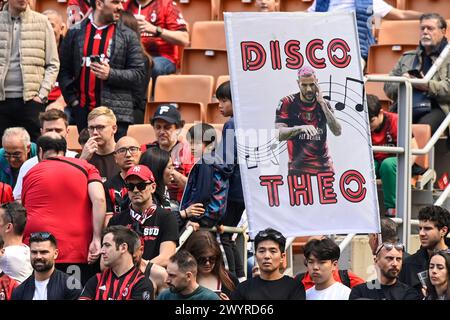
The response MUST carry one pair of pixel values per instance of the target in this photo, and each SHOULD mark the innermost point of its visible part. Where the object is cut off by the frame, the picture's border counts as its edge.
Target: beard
(43, 265)
(391, 273)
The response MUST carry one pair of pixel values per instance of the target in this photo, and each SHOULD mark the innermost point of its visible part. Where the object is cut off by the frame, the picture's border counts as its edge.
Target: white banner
(318, 179)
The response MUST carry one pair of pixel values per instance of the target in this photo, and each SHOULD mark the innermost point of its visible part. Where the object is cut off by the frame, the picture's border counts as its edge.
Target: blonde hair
(17, 132)
(102, 111)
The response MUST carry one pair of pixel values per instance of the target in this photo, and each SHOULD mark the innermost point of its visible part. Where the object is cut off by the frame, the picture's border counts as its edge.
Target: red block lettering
(272, 183)
(326, 192)
(353, 196)
(248, 48)
(302, 189)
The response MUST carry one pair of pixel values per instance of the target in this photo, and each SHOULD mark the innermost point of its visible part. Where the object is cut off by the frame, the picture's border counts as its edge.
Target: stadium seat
(207, 54)
(143, 133)
(208, 35)
(198, 10)
(236, 6)
(72, 139)
(382, 58)
(440, 6)
(395, 32)
(298, 245)
(222, 79)
(376, 88)
(191, 92)
(295, 5)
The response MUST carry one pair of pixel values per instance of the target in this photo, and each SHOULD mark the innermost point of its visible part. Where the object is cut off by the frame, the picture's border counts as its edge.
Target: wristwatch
(43, 98)
(159, 31)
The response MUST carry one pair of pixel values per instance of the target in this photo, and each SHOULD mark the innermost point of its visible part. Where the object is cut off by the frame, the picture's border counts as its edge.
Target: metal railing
(404, 139)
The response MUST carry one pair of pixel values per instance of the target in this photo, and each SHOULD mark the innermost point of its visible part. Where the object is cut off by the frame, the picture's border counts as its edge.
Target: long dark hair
(432, 293)
(157, 159)
(201, 242)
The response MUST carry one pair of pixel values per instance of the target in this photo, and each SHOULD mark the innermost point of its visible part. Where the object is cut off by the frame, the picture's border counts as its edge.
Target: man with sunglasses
(65, 196)
(434, 224)
(157, 228)
(271, 284)
(126, 154)
(388, 262)
(46, 282)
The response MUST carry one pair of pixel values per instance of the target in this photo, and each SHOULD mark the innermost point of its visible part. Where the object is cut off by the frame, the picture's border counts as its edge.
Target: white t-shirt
(26, 166)
(380, 8)
(336, 291)
(40, 291)
(16, 262)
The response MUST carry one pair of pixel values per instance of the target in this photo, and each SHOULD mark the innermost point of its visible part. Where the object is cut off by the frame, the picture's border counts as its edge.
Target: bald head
(127, 153)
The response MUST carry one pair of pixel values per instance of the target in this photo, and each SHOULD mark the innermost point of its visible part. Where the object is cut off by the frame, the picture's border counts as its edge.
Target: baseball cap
(167, 112)
(140, 171)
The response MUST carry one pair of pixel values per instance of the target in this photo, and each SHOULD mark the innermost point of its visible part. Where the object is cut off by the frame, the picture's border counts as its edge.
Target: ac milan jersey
(132, 285)
(97, 42)
(385, 135)
(154, 226)
(164, 14)
(307, 154)
(116, 195)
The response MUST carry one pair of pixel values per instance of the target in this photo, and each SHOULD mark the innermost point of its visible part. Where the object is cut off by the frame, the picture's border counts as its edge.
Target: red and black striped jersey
(132, 285)
(307, 154)
(97, 42)
(164, 14)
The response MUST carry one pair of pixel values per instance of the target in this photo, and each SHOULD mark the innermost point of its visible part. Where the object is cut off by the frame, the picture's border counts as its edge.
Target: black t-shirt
(256, 288)
(373, 290)
(116, 194)
(132, 285)
(154, 227)
(106, 165)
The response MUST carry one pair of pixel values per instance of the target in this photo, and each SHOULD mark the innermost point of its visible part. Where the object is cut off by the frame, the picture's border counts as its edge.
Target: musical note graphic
(359, 106)
(328, 97)
(269, 151)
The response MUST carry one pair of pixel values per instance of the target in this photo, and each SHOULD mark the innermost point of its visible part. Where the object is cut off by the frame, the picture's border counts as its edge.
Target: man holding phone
(101, 62)
(416, 63)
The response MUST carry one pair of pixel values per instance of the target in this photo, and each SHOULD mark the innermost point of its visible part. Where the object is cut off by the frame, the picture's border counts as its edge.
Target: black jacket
(127, 64)
(57, 288)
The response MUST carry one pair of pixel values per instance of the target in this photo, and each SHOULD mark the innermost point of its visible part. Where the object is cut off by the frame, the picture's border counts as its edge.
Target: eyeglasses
(124, 150)
(15, 155)
(40, 236)
(203, 260)
(99, 128)
(389, 246)
(141, 186)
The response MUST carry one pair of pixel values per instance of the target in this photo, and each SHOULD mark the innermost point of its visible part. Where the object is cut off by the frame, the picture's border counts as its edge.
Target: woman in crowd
(211, 272)
(438, 277)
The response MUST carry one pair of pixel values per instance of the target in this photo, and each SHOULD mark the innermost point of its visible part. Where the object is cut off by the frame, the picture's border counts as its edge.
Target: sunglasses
(141, 186)
(389, 246)
(265, 234)
(40, 236)
(203, 260)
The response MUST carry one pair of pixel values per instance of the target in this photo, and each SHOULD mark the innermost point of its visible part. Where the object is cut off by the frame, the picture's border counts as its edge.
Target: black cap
(167, 112)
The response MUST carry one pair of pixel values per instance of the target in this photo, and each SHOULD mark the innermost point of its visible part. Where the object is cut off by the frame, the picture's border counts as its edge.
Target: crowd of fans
(104, 223)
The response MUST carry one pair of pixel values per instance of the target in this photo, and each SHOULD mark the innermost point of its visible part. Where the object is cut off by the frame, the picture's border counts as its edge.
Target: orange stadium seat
(382, 58)
(191, 93)
(236, 6)
(222, 79)
(439, 6)
(198, 10)
(207, 53)
(61, 7)
(72, 139)
(395, 32)
(295, 5)
(376, 88)
(143, 133)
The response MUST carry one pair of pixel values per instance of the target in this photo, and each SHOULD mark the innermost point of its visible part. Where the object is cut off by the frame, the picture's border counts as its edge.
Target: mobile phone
(415, 73)
(95, 58)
